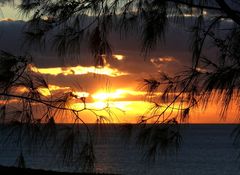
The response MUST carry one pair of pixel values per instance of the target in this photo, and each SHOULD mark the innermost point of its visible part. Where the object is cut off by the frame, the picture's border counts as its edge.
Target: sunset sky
(120, 82)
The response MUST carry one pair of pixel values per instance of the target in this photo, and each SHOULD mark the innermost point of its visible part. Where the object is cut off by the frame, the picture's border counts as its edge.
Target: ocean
(205, 150)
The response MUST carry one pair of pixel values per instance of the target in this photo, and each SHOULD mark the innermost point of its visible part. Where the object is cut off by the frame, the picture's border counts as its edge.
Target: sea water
(205, 150)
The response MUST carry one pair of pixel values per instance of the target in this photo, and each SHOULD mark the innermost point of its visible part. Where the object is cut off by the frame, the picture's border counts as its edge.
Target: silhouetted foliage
(73, 21)
(28, 115)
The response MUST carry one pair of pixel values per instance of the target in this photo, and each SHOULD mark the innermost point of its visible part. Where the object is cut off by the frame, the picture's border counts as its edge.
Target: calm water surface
(206, 150)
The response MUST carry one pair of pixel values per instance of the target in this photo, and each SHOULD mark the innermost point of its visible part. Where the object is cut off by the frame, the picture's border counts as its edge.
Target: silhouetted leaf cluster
(173, 96)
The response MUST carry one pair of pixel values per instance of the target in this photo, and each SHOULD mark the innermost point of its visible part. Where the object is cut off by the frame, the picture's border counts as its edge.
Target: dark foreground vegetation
(28, 171)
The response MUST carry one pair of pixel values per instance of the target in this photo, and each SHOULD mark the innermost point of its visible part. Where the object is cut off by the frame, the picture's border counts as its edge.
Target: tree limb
(205, 6)
(231, 13)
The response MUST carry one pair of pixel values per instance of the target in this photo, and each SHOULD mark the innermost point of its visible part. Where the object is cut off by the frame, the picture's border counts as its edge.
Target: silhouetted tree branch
(205, 80)
(231, 13)
(32, 115)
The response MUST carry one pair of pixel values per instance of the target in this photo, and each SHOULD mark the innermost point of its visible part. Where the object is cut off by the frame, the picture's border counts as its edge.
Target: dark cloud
(12, 40)
(138, 65)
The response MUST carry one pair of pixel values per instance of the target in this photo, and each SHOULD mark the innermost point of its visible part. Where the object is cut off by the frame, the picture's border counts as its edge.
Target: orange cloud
(202, 70)
(79, 70)
(9, 101)
(162, 60)
(7, 19)
(80, 94)
(118, 57)
(21, 89)
(53, 88)
(195, 13)
(44, 91)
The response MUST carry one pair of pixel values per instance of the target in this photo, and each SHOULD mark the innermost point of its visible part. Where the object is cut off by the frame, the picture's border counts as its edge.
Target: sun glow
(117, 94)
(102, 96)
(99, 105)
(121, 105)
(114, 112)
(117, 107)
